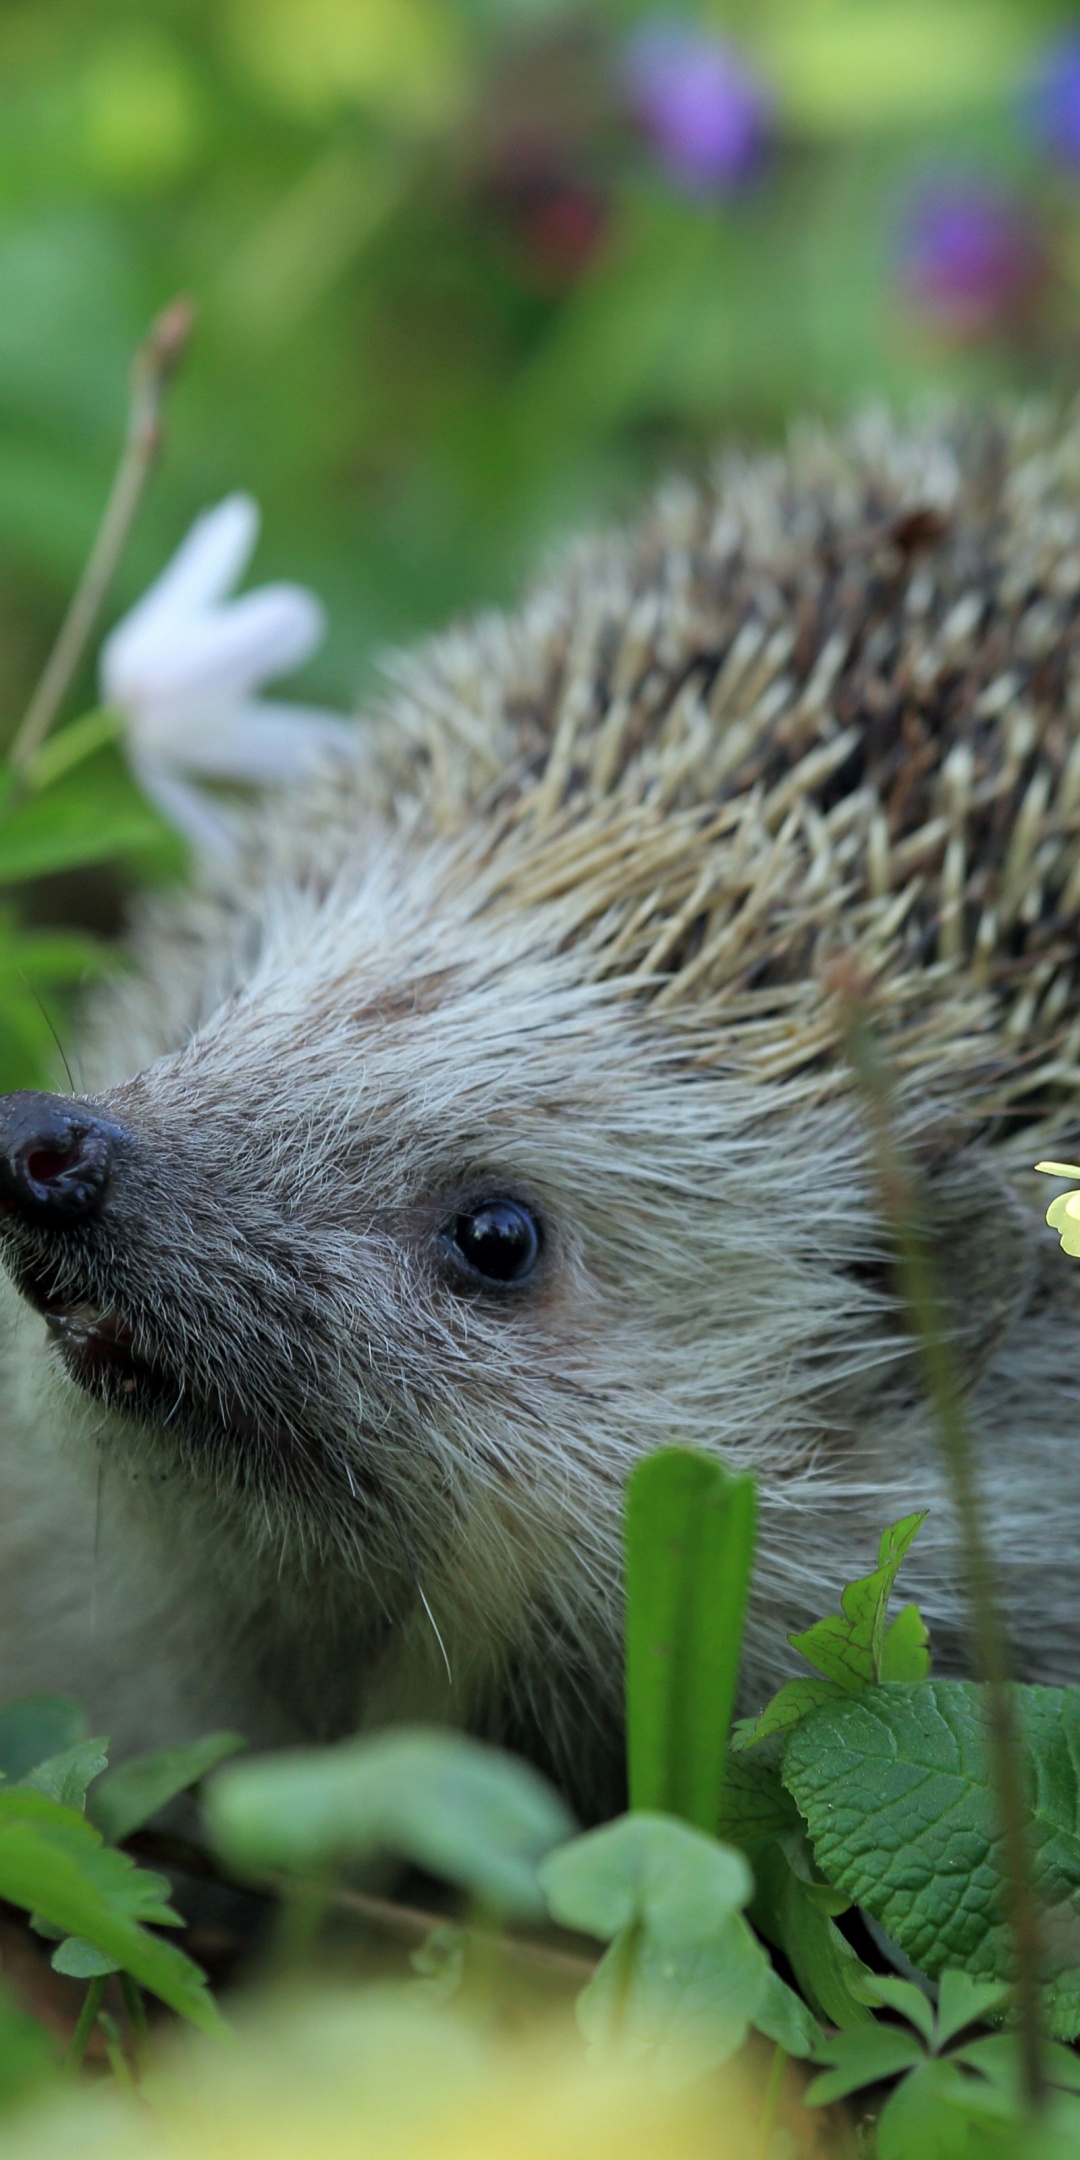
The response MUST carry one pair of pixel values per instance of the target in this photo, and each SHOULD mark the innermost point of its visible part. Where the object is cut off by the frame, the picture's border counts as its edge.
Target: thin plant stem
(136, 2015)
(484, 1962)
(84, 2026)
(303, 1911)
(771, 2101)
(152, 369)
(114, 2049)
(929, 1321)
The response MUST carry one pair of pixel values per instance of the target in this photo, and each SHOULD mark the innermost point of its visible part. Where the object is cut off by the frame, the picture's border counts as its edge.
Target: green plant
(950, 2081)
(57, 1865)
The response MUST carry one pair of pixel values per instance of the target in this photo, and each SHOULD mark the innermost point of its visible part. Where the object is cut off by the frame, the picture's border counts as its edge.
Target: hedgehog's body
(563, 936)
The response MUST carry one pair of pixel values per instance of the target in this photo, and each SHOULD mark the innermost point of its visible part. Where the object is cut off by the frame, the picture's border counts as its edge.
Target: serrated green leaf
(34, 1729)
(793, 1701)
(53, 1862)
(862, 2055)
(905, 1998)
(136, 1790)
(466, 1812)
(65, 1777)
(754, 1804)
(689, 1552)
(647, 1870)
(896, 1789)
(135, 1891)
(853, 1648)
(922, 2119)
(80, 1960)
(964, 2001)
(847, 1646)
(996, 2056)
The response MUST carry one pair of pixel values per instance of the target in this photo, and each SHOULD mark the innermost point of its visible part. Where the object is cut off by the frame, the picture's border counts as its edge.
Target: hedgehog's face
(382, 1249)
(370, 1245)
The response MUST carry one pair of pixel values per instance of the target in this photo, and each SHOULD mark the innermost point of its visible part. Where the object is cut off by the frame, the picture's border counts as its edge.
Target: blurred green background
(455, 298)
(469, 274)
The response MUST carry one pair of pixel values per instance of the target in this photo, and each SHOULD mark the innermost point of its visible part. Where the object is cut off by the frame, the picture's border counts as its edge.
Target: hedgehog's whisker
(419, 1589)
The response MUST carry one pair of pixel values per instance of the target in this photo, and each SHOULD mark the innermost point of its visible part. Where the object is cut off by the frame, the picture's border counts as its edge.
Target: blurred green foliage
(450, 306)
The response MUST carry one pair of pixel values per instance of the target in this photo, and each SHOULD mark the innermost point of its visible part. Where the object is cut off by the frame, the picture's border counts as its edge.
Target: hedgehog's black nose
(55, 1157)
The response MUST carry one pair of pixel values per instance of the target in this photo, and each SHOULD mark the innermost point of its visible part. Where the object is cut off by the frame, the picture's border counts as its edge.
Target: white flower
(184, 666)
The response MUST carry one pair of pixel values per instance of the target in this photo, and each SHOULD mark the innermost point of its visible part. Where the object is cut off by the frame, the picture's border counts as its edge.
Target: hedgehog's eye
(498, 1240)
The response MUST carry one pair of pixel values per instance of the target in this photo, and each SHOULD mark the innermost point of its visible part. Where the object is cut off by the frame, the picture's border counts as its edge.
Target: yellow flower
(1063, 1214)
(376, 2074)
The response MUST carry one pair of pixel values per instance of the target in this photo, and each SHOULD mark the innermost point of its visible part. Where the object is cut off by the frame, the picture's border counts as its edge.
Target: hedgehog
(490, 1124)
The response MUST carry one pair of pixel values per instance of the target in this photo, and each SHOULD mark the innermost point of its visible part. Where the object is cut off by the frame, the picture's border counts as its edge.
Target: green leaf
(829, 1972)
(996, 2056)
(755, 1805)
(862, 2055)
(963, 2001)
(65, 1777)
(686, 2006)
(689, 1551)
(466, 1812)
(28, 2058)
(88, 815)
(137, 1789)
(647, 1869)
(51, 958)
(852, 1649)
(71, 745)
(905, 1998)
(895, 1786)
(440, 1961)
(847, 1647)
(684, 1977)
(36, 1728)
(783, 2016)
(793, 1701)
(53, 1862)
(920, 2118)
(905, 1652)
(80, 1961)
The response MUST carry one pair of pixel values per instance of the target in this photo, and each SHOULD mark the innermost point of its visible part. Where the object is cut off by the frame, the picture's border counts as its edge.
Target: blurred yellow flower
(1063, 1214)
(140, 105)
(376, 2074)
(848, 67)
(403, 59)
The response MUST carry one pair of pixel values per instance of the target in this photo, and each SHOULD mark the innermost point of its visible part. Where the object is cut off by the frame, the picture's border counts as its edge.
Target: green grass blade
(689, 1553)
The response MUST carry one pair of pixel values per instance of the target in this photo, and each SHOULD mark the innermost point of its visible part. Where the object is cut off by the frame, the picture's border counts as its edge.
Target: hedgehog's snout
(56, 1158)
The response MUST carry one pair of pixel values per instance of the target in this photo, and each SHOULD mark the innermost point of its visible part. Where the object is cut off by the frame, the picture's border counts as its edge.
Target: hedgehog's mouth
(97, 1347)
(108, 1355)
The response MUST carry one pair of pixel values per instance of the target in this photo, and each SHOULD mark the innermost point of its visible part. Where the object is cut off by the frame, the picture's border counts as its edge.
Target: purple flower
(1052, 101)
(705, 114)
(971, 255)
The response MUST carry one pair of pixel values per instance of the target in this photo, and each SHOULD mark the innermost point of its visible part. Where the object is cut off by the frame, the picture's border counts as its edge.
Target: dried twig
(154, 365)
(408, 1924)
